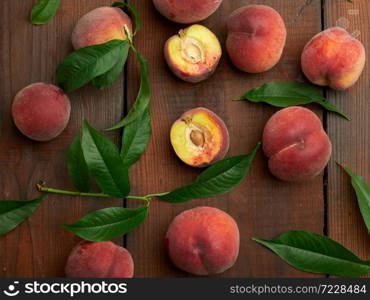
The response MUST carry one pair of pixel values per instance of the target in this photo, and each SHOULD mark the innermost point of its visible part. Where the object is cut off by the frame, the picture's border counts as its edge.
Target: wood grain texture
(262, 206)
(39, 247)
(351, 140)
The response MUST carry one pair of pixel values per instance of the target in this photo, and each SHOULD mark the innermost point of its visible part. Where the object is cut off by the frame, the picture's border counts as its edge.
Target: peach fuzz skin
(99, 260)
(203, 241)
(193, 54)
(41, 111)
(296, 144)
(186, 11)
(333, 58)
(256, 38)
(99, 26)
(212, 131)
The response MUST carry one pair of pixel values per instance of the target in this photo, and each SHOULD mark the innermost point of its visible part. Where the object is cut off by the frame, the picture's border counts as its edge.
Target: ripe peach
(193, 54)
(99, 260)
(333, 58)
(203, 241)
(296, 144)
(41, 111)
(256, 38)
(200, 137)
(186, 11)
(99, 26)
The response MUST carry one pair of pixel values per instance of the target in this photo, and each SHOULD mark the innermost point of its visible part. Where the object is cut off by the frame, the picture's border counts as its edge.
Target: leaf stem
(43, 189)
(155, 195)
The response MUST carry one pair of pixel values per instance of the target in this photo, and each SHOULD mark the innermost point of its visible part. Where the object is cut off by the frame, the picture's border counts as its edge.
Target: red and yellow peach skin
(99, 260)
(193, 54)
(203, 241)
(99, 26)
(296, 144)
(333, 58)
(186, 11)
(199, 137)
(41, 111)
(256, 38)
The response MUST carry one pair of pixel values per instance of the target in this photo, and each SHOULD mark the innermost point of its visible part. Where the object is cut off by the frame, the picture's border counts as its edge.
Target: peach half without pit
(200, 137)
(203, 241)
(99, 26)
(99, 260)
(193, 54)
(296, 144)
(333, 58)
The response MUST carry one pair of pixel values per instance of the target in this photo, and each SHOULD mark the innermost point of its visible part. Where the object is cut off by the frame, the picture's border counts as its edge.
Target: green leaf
(77, 167)
(83, 65)
(143, 97)
(218, 179)
(363, 195)
(135, 139)
(109, 78)
(108, 223)
(13, 213)
(104, 162)
(43, 11)
(315, 253)
(285, 94)
(134, 11)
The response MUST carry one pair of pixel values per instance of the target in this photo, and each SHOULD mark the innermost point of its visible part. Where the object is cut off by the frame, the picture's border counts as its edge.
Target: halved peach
(193, 54)
(200, 137)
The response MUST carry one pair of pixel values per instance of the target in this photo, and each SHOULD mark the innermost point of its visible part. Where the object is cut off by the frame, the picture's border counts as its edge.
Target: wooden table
(263, 206)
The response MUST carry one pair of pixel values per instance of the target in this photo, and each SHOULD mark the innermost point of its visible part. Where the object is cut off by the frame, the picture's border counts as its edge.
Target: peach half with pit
(193, 54)
(199, 137)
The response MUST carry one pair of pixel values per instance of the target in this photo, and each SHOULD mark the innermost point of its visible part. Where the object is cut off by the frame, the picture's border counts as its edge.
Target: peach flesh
(186, 11)
(203, 241)
(193, 54)
(41, 111)
(200, 137)
(99, 26)
(99, 260)
(333, 58)
(256, 38)
(296, 144)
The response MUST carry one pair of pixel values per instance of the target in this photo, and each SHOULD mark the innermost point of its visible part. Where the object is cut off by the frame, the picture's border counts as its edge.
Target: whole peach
(203, 240)
(41, 111)
(296, 144)
(186, 11)
(256, 38)
(99, 26)
(99, 260)
(333, 58)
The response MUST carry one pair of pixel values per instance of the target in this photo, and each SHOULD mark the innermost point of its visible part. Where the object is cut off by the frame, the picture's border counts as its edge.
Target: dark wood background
(262, 206)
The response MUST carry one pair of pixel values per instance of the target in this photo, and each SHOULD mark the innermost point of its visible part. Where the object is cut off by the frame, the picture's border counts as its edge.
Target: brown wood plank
(39, 247)
(351, 140)
(263, 206)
